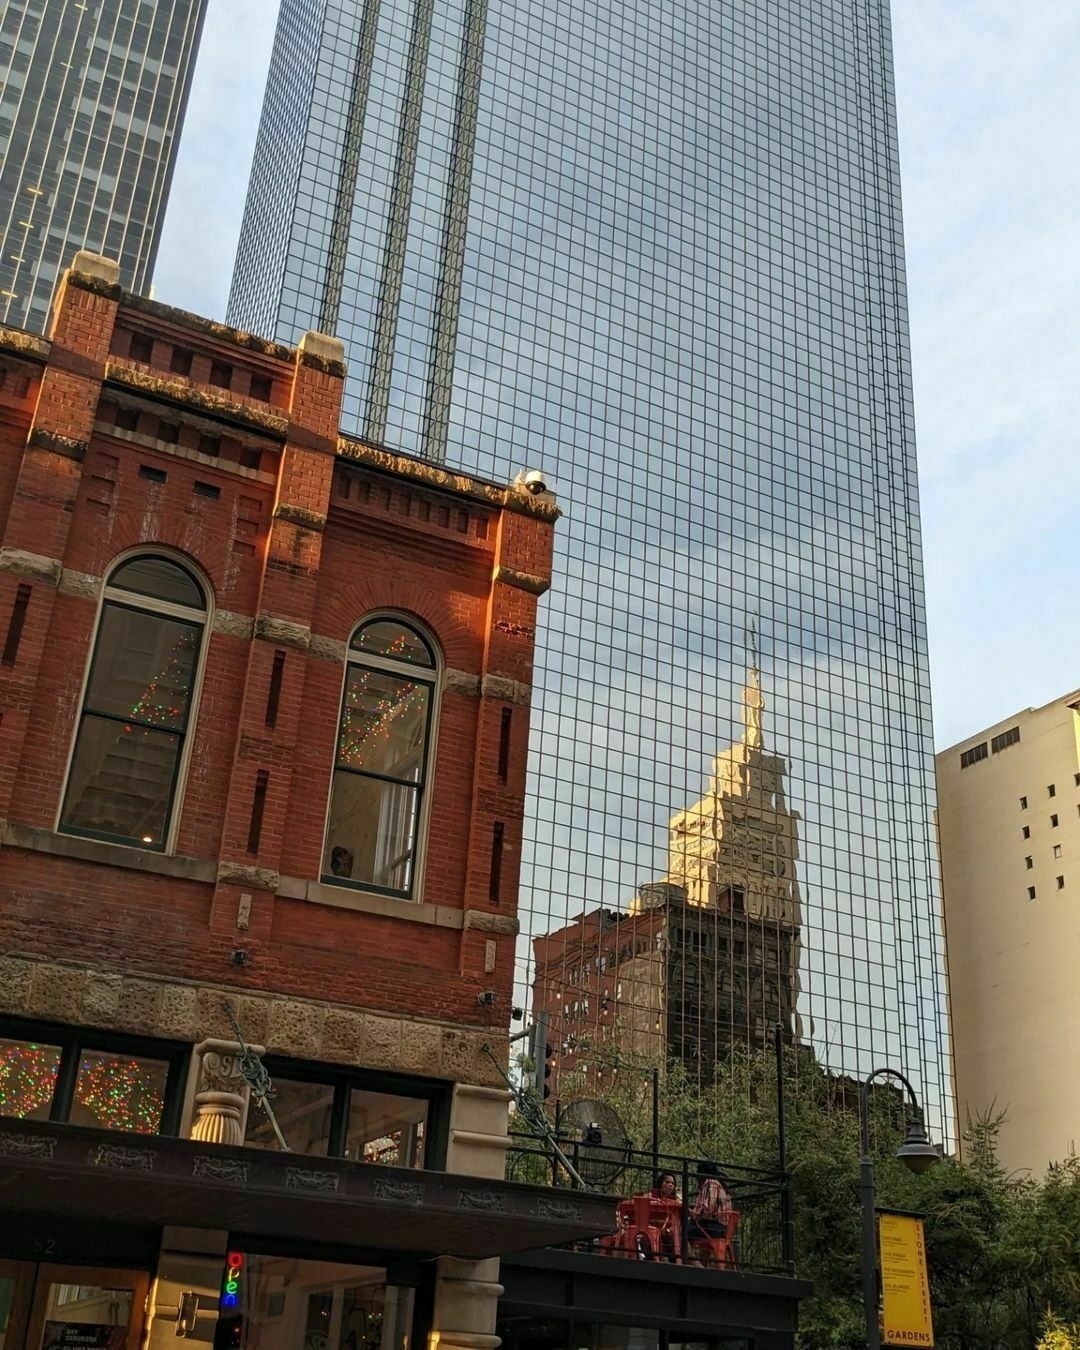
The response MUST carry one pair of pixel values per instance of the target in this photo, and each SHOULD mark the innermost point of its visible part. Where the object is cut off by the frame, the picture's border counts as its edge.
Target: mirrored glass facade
(656, 248)
(92, 95)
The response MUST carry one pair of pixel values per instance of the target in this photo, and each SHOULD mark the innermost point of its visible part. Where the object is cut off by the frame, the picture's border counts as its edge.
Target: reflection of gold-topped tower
(741, 834)
(733, 974)
(704, 959)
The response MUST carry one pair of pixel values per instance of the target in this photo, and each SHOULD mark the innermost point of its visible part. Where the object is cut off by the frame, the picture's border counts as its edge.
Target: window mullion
(67, 1073)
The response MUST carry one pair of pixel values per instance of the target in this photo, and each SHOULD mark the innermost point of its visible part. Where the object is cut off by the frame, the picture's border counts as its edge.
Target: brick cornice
(29, 345)
(182, 392)
(67, 446)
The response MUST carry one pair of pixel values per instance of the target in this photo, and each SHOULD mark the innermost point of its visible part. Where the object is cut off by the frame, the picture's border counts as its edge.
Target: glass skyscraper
(92, 95)
(655, 246)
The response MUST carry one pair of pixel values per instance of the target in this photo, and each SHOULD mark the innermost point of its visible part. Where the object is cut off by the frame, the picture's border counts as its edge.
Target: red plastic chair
(717, 1252)
(643, 1222)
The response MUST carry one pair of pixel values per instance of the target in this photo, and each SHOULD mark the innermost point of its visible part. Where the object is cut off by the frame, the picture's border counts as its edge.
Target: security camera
(516, 1014)
(486, 999)
(240, 957)
(534, 482)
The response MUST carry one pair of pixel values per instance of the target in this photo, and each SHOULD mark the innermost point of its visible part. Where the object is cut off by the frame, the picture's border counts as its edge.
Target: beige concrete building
(1009, 801)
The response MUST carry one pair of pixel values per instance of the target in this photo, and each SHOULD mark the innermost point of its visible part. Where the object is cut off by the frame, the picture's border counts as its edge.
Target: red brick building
(264, 695)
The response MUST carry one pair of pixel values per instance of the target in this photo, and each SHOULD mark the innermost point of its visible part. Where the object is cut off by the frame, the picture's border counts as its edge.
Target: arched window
(137, 709)
(383, 752)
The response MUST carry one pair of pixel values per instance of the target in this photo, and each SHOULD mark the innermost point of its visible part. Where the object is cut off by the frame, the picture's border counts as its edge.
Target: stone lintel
(461, 682)
(485, 922)
(498, 687)
(17, 342)
(505, 690)
(300, 515)
(327, 648)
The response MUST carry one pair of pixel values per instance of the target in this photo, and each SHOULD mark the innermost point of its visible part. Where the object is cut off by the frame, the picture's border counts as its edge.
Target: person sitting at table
(665, 1187)
(666, 1217)
(712, 1200)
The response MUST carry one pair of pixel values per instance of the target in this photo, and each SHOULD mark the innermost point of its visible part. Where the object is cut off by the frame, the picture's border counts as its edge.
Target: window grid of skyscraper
(657, 248)
(92, 94)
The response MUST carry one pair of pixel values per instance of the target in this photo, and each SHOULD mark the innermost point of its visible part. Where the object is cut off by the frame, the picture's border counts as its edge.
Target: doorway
(49, 1307)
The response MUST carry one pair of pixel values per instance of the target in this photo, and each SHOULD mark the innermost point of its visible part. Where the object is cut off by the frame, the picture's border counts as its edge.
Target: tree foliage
(1003, 1251)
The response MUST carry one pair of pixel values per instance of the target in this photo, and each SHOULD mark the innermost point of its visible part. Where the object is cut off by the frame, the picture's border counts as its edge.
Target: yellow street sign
(904, 1281)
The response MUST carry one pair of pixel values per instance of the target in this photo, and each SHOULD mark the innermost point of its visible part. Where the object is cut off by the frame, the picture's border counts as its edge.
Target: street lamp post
(916, 1153)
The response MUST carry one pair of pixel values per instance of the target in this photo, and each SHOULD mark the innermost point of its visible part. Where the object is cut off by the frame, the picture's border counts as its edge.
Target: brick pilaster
(522, 572)
(262, 766)
(35, 539)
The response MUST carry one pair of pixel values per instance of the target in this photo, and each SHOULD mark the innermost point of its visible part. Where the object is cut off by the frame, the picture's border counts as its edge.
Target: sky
(989, 107)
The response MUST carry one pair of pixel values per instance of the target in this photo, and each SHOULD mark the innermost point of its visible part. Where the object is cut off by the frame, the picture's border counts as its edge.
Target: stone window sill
(368, 902)
(111, 855)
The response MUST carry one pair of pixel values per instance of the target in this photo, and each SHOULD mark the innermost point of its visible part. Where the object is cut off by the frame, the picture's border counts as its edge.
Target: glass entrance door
(16, 1285)
(79, 1308)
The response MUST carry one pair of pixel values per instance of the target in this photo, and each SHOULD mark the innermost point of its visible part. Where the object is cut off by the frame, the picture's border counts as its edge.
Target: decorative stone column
(221, 1094)
(218, 1118)
(467, 1297)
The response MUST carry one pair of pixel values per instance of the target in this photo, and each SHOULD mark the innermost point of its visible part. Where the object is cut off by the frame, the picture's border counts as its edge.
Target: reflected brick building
(705, 959)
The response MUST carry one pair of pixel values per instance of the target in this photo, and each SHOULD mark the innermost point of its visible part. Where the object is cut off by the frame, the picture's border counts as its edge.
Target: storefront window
(89, 1078)
(288, 1304)
(27, 1079)
(535, 1333)
(118, 1092)
(86, 1317)
(304, 1113)
(340, 1119)
(607, 1337)
(387, 1130)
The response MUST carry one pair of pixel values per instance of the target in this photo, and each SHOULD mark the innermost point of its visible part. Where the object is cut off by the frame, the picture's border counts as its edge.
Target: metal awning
(63, 1169)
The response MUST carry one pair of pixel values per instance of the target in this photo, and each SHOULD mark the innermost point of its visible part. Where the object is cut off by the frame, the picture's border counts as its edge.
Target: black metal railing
(761, 1241)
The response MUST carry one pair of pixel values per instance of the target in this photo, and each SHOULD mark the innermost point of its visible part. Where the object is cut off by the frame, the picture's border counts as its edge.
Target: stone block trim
(32, 566)
(283, 632)
(522, 581)
(298, 1028)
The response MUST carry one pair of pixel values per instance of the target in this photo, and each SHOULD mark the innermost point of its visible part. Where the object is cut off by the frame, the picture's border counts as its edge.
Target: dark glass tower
(657, 248)
(92, 95)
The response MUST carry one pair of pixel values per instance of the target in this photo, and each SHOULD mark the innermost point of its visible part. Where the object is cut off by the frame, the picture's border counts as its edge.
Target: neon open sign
(230, 1292)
